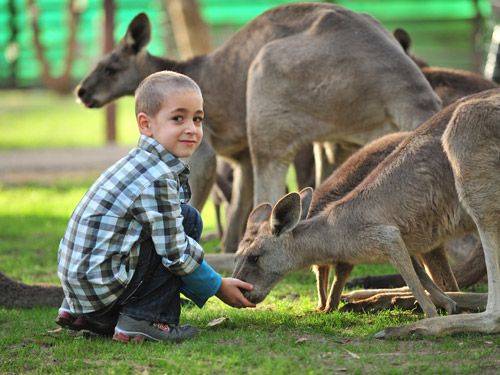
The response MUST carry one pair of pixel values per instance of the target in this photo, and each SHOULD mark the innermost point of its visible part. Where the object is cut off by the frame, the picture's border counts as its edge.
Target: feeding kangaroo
(298, 73)
(409, 204)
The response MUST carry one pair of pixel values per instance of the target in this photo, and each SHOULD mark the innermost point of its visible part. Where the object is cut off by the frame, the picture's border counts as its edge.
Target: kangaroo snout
(85, 96)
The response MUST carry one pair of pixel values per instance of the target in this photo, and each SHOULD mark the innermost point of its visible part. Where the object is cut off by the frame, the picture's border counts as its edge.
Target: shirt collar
(152, 146)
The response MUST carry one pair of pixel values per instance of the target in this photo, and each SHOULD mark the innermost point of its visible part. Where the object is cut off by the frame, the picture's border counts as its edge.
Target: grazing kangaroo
(406, 206)
(298, 73)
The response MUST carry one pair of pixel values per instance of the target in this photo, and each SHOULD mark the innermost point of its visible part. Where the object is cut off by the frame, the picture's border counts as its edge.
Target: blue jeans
(153, 294)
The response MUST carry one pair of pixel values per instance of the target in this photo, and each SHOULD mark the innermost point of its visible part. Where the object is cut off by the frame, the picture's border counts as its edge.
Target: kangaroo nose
(81, 92)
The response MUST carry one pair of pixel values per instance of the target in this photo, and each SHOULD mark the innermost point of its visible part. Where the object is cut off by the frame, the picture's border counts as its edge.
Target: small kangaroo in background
(409, 204)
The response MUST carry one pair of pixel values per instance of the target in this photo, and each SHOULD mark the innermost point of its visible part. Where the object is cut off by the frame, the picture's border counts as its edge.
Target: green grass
(283, 335)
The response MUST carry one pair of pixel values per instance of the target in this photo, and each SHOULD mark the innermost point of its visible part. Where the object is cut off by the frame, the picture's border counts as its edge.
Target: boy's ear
(144, 125)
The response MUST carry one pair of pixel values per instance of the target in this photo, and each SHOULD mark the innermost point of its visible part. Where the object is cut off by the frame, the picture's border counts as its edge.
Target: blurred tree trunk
(12, 50)
(109, 43)
(63, 83)
(191, 32)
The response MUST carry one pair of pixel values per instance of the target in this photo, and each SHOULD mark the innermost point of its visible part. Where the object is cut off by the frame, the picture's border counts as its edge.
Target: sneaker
(84, 322)
(130, 329)
(65, 319)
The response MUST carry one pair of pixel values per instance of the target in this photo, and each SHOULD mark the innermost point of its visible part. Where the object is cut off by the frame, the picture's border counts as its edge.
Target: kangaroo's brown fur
(296, 74)
(409, 204)
(340, 183)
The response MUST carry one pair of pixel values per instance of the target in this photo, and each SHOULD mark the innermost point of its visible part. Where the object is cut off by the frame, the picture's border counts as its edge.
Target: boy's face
(178, 125)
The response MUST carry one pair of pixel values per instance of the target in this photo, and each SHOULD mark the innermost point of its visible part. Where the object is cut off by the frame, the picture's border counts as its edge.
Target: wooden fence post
(109, 26)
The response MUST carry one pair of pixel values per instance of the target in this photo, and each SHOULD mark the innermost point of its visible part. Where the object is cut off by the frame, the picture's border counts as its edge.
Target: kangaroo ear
(286, 214)
(259, 214)
(306, 195)
(403, 38)
(138, 33)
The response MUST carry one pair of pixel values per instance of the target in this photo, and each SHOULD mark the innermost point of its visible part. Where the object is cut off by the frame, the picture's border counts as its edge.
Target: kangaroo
(296, 74)
(350, 174)
(471, 143)
(406, 206)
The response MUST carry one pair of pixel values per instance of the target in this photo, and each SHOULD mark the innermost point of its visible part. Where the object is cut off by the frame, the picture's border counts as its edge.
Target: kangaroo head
(119, 72)
(265, 254)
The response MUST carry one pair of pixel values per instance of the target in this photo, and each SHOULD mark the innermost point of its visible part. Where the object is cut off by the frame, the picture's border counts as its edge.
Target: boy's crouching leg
(152, 310)
(192, 223)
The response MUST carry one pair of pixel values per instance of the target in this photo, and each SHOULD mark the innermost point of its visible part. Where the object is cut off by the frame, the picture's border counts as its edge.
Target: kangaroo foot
(319, 308)
(486, 322)
(382, 301)
(356, 295)
(329, 308)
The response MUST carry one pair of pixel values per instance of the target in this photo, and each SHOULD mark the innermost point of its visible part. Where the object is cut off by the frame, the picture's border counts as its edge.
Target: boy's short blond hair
(154, 89)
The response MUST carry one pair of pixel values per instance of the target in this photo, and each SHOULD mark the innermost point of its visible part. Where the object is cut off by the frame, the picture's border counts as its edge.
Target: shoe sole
(122, 337)
(125, 336)
(66, 323)
(87, 326)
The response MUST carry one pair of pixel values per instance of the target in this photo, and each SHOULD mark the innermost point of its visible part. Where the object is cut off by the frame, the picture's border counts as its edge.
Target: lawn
(283, 335)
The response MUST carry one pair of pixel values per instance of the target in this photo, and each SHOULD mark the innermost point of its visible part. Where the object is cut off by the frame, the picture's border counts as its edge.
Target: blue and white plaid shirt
(136, 198)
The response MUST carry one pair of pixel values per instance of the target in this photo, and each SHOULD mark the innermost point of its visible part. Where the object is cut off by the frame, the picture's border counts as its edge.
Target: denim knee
(192, 222)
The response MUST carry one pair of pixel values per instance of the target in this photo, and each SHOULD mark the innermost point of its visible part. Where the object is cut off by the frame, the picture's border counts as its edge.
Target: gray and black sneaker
(129, 329)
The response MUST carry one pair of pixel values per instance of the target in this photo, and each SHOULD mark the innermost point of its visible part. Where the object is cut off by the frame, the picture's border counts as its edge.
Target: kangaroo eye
(253, 259)
(109, 70)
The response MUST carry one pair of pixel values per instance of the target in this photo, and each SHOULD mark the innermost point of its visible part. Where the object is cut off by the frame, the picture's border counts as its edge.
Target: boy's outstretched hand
(230, 293)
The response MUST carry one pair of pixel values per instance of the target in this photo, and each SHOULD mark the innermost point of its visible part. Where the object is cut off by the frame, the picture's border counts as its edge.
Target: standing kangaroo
(409, 204)
(294, 75)
(471, 143)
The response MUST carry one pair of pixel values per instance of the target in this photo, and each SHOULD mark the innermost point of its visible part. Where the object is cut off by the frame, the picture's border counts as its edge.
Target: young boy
(131, 246)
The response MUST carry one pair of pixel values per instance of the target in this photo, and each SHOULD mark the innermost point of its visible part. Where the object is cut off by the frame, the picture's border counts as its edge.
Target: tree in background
(192, 34)
(63, 83)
